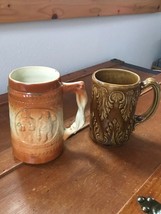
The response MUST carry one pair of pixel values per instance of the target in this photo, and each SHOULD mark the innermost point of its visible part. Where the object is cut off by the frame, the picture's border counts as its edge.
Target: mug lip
(116, 84)
(34, 86)
(34, 67)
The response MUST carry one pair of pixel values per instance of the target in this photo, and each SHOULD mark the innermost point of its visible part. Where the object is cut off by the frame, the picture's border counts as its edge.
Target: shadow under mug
(115, 93)
(36, 113)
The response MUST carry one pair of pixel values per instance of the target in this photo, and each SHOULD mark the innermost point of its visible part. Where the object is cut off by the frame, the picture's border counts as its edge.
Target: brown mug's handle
(81, 97)
(149, 82)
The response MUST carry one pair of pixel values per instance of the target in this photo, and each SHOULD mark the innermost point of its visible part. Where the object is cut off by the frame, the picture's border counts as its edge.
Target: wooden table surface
(86, 178)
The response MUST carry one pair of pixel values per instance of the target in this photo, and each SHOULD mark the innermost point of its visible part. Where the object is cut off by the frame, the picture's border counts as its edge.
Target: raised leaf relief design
(102, 104)
(112, 118)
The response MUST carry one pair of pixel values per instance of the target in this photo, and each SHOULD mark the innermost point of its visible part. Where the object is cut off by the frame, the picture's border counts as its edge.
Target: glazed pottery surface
(115, 93)
(36, 113)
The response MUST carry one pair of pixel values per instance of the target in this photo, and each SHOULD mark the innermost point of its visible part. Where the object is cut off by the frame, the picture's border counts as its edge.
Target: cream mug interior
(32, 75)
(34, 79)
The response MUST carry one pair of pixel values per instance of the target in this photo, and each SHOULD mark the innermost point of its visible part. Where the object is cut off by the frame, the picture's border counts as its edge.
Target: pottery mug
(115, 93)
(36, 113)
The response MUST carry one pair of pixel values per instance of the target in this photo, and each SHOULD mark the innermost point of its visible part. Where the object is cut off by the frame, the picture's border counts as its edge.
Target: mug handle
(81, 97)
(149, 82)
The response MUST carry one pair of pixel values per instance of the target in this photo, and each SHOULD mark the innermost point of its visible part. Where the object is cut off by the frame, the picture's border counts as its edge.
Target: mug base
(38, 155)
(107, 144)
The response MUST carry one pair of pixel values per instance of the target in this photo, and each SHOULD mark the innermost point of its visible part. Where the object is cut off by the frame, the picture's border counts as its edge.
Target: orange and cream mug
(36, 113)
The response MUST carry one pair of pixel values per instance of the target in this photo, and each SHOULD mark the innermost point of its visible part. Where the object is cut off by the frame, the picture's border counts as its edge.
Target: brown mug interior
(116, 76)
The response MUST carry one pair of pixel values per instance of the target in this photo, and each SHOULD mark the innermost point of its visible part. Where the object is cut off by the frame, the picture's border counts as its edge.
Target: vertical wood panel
(20, 10)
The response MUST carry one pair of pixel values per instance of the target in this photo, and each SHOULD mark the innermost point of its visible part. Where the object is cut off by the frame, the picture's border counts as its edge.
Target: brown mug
(36, 113)
(115, 93)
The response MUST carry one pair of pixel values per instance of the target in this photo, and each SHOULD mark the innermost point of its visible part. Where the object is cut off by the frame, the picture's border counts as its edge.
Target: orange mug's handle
(149, 82)
(81, 97)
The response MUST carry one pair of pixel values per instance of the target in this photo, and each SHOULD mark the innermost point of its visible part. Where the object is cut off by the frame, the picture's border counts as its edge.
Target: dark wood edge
(7, 162)
(146, 70)
(88, 71)
(3, 99)
(10, 169)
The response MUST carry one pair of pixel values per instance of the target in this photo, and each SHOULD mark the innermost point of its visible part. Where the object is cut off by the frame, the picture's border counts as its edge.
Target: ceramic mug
(115, 93)
(36, 113)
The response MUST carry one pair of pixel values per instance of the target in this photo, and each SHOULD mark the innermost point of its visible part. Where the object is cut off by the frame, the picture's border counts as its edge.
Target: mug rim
(34, 86)
(30, 69)
(94, 78)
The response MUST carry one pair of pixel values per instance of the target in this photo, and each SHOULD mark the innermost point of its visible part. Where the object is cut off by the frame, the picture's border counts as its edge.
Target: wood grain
(151, 188)
(7, 162)
(86, 178)
(18, 10)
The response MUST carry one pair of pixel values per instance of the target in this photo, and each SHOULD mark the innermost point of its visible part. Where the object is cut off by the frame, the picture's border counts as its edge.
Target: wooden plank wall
(20, 10)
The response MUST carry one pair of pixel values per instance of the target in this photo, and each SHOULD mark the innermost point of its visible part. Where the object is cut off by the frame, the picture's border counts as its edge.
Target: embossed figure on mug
(36, 113)
(115, 93)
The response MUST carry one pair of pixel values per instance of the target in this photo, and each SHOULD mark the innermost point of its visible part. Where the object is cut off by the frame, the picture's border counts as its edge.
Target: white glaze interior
(34, 74)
